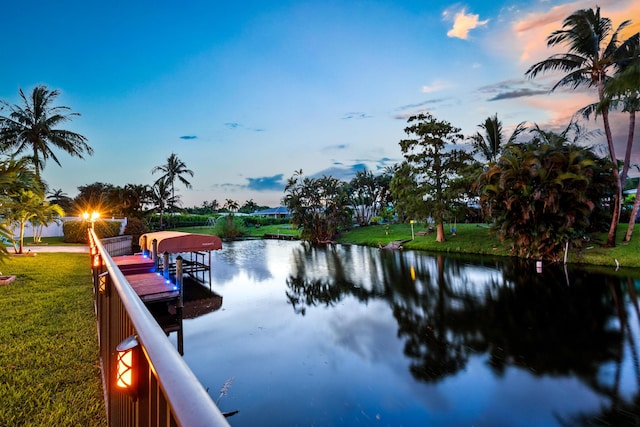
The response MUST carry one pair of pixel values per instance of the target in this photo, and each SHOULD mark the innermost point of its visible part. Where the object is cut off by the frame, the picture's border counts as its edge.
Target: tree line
(539, 188)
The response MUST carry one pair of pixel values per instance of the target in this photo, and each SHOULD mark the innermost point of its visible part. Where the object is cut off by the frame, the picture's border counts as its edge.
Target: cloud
(509, 89)
(236, 125)
(463, 23)
(518, 93)
(356, 115)
(344, 173)
(336, 147)
(188, 137)
(436, 87)
(267, 183)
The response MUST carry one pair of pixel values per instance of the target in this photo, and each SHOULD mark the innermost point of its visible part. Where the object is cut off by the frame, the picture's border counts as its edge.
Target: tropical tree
(60, 198)
(543, 194)
(48, 213)
(593, 52)
(434, 164)
(159, 196)
(94, 197)
(32, 128)
(231, 205)
(367, 194)
(489, 143)
(15, 176)
(25, 206)
(318, 205)
(407, 201)
(172, 170)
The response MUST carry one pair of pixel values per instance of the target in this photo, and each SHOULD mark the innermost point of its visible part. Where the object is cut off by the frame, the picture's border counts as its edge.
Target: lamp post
(412, 235)
(91, 217)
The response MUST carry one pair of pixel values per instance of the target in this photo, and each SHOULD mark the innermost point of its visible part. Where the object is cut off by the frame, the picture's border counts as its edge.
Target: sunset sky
(245, 93)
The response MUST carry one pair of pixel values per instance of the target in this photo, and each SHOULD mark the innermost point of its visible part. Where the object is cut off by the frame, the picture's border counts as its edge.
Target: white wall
(55, 230)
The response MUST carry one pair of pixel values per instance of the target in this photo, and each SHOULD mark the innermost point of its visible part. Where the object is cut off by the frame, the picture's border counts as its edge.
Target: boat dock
(149, 285)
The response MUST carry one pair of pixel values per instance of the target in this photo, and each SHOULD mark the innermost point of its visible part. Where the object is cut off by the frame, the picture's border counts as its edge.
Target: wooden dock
(150, 286)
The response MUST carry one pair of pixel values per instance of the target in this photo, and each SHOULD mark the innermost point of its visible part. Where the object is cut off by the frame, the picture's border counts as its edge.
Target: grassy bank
(476, 239)
(49, 369)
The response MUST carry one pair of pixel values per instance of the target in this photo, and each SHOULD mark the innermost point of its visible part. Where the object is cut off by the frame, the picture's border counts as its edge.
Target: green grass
(49, 364)
(476, 239)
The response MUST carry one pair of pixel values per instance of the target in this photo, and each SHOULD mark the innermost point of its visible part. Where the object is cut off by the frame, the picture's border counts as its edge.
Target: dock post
(179, 282)
(145, 251)
(165, 265)
(154, 254)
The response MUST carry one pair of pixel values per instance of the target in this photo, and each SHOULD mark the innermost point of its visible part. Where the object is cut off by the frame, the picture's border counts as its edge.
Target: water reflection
(485, 342)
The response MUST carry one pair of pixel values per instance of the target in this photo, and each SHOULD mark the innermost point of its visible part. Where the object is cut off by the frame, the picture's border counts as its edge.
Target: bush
(135, 228)
(229, 226)
(76, 231)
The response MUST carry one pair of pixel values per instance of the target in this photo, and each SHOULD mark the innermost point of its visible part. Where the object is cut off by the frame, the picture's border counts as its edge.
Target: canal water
(355, 336)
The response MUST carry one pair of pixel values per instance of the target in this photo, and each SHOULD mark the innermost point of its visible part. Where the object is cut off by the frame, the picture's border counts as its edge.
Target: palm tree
(172, 170)
(32, 128)
(543, 193)
(593, 53)
(26, 206)
(60, 198)
(15, 176)
(491, 141)
(159, 196)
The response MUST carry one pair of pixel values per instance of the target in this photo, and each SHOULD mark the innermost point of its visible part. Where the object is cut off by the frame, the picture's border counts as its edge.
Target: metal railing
(165, 392)
(119, 245)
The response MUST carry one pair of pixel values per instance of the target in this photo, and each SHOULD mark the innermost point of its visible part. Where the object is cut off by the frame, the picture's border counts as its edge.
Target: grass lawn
(49, 363)
(476, 239)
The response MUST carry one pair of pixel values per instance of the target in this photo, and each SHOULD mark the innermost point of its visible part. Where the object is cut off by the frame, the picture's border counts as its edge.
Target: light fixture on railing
(102, 282)
(96, 262)
(126, 366)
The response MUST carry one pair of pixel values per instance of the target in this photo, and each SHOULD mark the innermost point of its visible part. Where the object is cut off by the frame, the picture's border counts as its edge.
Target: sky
(246, 93)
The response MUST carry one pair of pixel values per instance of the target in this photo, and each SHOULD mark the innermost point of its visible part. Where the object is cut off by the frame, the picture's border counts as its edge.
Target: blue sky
(245, 93)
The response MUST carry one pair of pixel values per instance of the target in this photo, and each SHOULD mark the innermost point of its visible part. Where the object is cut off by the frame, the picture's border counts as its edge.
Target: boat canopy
(177, 241)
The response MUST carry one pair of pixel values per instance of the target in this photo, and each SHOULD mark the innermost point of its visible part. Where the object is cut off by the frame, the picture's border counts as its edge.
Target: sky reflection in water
(356, 336)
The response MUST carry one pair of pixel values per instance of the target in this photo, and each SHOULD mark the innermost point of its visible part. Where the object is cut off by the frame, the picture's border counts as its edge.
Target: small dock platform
(153, 287)
(150, 286)
(280, 236)
(134, 264)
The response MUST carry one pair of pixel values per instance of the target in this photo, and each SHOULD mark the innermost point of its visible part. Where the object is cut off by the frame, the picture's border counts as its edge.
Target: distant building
(279, 212)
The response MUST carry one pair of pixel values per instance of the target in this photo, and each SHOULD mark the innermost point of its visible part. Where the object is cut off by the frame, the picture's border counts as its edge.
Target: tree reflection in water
(520, 318)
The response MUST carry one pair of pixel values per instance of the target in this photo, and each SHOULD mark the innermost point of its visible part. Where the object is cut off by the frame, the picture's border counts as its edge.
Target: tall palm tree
(32, 128)
(593, 53)
(491, 141)
(172, 170)
(159, 196)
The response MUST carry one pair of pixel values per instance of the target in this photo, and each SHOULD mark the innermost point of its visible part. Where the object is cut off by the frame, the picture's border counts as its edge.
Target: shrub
(229, 226)
(76, 231)
(135, 228)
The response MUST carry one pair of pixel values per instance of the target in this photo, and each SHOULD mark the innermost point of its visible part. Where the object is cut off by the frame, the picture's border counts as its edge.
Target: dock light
(126, 369)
